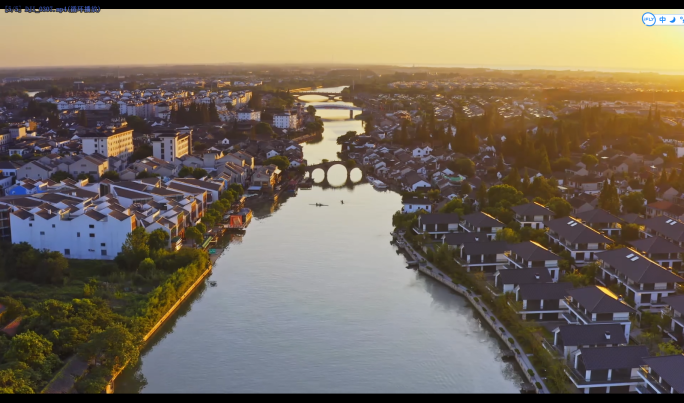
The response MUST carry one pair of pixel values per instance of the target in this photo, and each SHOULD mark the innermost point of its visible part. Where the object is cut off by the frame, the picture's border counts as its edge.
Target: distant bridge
(330, 95)
(325, 166)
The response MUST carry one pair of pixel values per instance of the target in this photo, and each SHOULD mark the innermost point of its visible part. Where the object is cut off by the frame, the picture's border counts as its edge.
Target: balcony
(579, 379)
(651, 380)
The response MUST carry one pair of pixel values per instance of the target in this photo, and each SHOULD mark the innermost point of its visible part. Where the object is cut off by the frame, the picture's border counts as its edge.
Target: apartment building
(170, 145)
(110, 143)
(580, 240)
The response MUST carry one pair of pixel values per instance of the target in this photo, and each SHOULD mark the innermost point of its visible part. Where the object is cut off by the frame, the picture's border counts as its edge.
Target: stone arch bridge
(325, 166)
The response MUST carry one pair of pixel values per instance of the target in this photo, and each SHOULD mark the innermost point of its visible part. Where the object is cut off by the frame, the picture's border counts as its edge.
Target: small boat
(342, 201)
(212, 283)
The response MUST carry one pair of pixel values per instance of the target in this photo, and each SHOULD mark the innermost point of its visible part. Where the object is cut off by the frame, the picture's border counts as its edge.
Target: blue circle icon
(648, 19)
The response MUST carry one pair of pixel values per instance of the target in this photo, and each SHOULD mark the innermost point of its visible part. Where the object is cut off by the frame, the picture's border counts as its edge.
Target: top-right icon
(648, 19)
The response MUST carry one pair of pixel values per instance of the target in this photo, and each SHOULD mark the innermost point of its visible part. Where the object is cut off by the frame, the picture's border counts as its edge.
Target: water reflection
(356, 175)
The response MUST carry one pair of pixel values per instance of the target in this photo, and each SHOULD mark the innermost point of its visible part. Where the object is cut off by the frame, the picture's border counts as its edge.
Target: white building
(110, 143)
(285, 120)
(169, 146)
(248, 114)
(94, 232)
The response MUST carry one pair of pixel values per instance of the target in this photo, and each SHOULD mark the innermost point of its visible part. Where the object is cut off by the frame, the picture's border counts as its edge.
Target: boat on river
(377, 184)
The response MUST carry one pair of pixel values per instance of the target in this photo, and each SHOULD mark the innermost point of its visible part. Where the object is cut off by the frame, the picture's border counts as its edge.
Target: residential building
(673, 310)
(414, 182)
(481, 222)
(532, 215)
(586, 183)
(487, 256)
(531, 255)
(437, 224)
(506, 280)
(580, 240)
(583, 202)
(265, 177)
(285, 120)
(35, 170)
(664, 227)
(110, 143)
(665, 253)
(594, 305)
(642, 279)
(95, 165)
(602, 221)
(169, 146)
(542, 301)
(662, 375)
(665, 208)
(607, 369)
(568, 338)
(414, 204)
(248, 114)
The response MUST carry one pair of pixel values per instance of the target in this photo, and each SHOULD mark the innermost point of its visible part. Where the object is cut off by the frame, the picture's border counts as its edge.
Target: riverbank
(476, 301)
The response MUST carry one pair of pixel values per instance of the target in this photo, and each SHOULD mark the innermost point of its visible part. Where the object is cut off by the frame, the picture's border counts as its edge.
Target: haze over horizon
(603, 40)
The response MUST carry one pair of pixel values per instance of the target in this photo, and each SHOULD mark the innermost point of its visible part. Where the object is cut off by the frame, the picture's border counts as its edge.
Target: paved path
(439, 275)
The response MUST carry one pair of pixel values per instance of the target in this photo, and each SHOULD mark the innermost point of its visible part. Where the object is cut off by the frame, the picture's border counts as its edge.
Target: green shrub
(517, 351)
(476, 299)
(529, 371)
(510, 340)
(538, 385)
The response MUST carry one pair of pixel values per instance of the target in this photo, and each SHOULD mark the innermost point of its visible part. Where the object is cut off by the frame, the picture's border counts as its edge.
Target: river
(316, 299)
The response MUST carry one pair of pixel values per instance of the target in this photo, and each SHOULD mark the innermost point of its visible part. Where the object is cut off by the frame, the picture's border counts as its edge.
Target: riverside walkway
(503, 333)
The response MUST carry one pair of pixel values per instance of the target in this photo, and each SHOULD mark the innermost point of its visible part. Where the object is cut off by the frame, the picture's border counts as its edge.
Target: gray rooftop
(532, 251)
(546, 291)
(656, 244)
(576, 232)
(532, 209)
(637, 267)
(597, 299)
(623, 357)
(580, 335)
(670, 368)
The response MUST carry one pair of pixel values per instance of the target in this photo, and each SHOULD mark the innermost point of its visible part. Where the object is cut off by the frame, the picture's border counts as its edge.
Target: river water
(316, 299)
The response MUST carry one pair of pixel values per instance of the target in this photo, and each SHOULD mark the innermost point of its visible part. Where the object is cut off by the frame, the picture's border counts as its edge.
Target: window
(30, 225)
(92, 235)
(103, 244)
(78, 235)
(42, 232)
(53, 225)
(91, 226)
(67, 252)
(104, 252)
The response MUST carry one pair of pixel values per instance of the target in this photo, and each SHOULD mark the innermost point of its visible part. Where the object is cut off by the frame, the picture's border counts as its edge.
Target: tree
(185, 171)
(482, 195)
(346, 137)
(633, 202)
(589, 160)
(116, 110)
(158, 239)
(433, 195)
(141, 152)
(464, 166)
(608, 198)
(508, 235)
(630, 232)
(669, 348)
(112, 348)
(60, 176)
(545, 166)
(33, 350)
(663, 181)
(263, 128)
(560, 207)
(465, 189)
(237, 188)
(195, 235)
(201, 228)
(499, 193)
(138, 124)
(146, 267)
(350, 164)
(280, 161)
(311, 110)
(513, 178)
(111, 175)
(136, 248)
(649, 190)
(199, 173)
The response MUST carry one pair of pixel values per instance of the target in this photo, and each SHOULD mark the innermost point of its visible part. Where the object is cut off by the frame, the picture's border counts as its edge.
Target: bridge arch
(325, 166)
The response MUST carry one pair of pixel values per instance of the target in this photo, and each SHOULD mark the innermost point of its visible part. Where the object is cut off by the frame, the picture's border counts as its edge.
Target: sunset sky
(611, 40)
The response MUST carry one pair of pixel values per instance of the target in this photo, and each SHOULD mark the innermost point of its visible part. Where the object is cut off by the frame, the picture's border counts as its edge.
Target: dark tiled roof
(576, 232)
(598, 299)
(580, 335)
(668, 227)
(438, 218)
(532, 291)
(481, 220)
(23, 214)
(638, 267)
(597, 216)
(416, 201)
(96, 215)
(532, 209)
(656, 244)
(670, 368)
(119, 215)
(199, 183)
(532, 251)
(484, 248)
(676, 302)
(623, 357)
(130, 194)
(459, 238)
(632, 218)
(524, 276)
